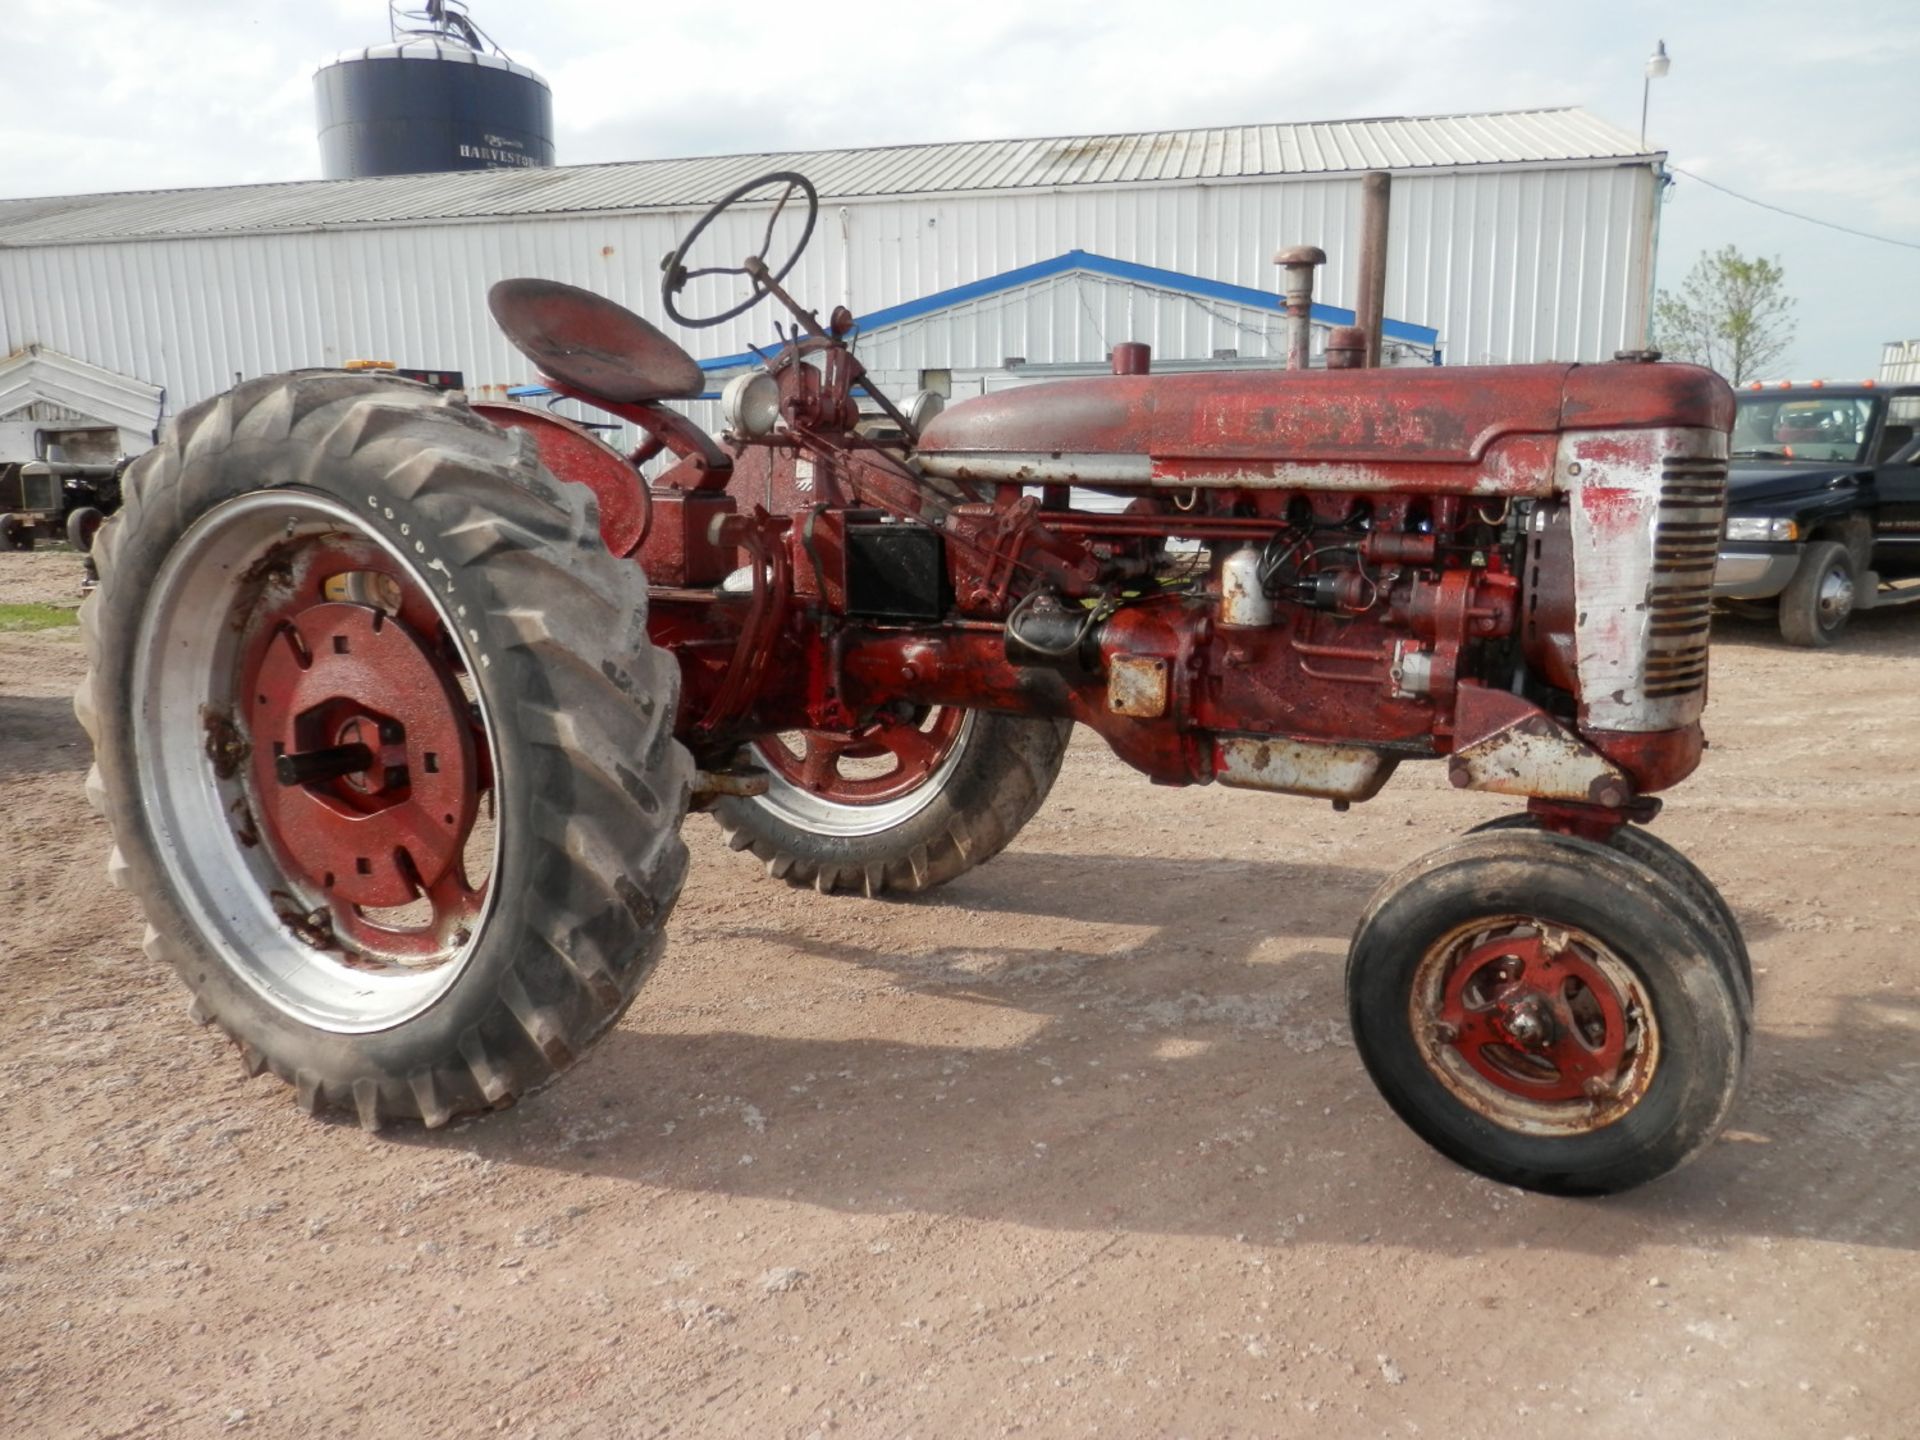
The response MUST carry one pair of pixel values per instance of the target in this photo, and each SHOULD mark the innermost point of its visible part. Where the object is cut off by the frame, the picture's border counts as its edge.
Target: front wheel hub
(1540, 1028)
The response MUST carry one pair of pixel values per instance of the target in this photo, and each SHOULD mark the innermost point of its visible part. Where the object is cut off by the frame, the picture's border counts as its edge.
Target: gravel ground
(47, 575)
(1077, 1146)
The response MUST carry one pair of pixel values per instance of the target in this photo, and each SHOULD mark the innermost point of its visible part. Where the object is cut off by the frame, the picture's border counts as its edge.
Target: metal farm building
(1514, 237)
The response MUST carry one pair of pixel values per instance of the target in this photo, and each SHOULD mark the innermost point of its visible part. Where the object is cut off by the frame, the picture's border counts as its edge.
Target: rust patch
(227, 749)
(1294, 767)
(1137, 687)
(274, 567)
(310, 927)
(244, 829)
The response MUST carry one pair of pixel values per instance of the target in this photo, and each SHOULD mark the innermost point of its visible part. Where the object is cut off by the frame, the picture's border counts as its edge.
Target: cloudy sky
(1806, 104)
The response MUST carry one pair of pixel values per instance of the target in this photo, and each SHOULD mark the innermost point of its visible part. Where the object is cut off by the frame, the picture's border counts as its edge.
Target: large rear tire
(951, 791)
(1547, 1011)
(318, 572)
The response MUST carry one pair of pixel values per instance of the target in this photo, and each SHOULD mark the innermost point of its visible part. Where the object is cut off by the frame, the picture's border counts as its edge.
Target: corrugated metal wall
(1900, 362)
(1508, 264)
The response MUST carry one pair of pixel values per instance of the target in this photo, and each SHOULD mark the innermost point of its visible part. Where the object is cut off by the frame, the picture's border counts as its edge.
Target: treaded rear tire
(590, 786)
(998, 784)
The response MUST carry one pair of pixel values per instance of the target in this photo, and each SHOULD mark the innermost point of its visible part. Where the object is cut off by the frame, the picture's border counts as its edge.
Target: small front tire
(1657, 855)
(1539, 1009)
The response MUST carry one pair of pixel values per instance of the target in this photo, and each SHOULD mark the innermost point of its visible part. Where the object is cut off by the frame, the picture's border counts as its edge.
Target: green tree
(1732, 314)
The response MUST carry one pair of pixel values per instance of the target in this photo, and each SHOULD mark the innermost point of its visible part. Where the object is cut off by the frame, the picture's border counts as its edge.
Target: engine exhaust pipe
(1298, 264)
(1376, 203)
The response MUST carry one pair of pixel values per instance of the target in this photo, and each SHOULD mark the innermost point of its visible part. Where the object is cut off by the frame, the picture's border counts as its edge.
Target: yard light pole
(1657, 65)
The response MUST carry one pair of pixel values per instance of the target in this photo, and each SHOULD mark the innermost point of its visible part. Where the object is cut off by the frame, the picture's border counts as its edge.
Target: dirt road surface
(1079, 1146)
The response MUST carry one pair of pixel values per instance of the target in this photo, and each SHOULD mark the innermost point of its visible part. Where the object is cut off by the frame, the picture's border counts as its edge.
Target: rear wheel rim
(840, 783)
(350, 895)
(1538, 1027)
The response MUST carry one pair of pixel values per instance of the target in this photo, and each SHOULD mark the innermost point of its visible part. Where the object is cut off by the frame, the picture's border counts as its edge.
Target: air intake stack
(439, 96)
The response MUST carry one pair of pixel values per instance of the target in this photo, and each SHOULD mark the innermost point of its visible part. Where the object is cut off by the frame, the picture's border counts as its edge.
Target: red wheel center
(880, 761)
(363, 754)
(1537, 1018)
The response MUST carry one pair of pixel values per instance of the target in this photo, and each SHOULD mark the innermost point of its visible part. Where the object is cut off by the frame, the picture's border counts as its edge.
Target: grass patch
(15, 618)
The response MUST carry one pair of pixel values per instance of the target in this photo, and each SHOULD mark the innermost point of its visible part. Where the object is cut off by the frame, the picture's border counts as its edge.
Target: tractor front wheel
(1656, 854)
(385, 749)
(906, 803)
(1552, 1013)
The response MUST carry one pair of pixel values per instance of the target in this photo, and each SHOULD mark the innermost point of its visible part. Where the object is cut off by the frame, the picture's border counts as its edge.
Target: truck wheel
(1657, 855)
(82, 525)
(1540, 1009)
(904, 805)
(1818, 600)
(16, 532)
(385, 749)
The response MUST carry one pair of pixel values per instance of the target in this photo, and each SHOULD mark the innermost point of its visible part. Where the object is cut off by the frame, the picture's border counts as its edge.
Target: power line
(1795, 214)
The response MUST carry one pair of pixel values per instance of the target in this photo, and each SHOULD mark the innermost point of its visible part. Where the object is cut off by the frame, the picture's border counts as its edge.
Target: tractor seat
(589, 344)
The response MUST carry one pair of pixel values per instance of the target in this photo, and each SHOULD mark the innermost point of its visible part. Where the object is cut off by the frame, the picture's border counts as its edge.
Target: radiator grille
(1686, 544)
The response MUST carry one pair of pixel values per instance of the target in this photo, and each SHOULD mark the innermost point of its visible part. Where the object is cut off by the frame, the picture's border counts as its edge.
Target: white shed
(1515, 236)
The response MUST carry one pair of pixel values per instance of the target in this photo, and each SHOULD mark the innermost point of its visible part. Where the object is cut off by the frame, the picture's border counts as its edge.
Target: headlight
(1760, 527)
(750, 404)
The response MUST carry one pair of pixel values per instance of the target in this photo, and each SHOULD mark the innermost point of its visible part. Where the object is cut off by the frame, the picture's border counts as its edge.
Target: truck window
(1826, 428)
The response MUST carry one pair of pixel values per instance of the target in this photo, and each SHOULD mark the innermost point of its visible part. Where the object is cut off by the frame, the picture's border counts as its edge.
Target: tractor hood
(1140, 429)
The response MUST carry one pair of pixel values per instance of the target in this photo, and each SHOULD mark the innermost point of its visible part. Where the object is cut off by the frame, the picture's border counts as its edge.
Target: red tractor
(399, 702)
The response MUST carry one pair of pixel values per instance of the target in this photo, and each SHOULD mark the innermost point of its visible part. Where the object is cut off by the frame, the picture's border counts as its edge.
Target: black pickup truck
(1823, 503)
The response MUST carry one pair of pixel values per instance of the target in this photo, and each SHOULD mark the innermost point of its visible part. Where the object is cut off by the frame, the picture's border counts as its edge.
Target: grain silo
(438, 96)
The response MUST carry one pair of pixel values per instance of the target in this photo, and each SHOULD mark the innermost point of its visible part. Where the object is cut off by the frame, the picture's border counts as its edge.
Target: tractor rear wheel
(905, 804)
(383, 743)
(1550, 1012)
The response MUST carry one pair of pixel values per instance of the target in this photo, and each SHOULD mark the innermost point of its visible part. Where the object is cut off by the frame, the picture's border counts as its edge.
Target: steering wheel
(675, 273)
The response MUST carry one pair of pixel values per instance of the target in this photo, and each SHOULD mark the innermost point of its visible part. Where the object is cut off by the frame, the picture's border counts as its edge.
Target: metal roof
(431, 48)
(37, 374)
(1241, 152)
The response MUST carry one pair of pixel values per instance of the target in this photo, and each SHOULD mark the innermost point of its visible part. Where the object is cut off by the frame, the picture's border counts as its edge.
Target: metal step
(1877, 594)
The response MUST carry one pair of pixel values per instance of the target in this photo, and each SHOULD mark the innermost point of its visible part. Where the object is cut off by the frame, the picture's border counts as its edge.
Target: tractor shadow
(42, 737)
(1198, 1082)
